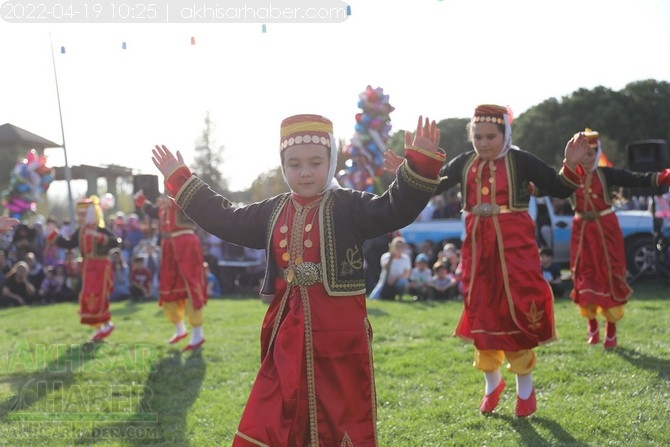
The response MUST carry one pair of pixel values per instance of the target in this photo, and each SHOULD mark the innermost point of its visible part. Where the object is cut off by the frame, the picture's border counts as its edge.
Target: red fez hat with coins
(490, 113)
(305, 129)
(592, 136)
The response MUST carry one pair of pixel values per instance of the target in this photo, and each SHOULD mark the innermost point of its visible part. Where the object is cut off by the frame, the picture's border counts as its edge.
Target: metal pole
(68, 174)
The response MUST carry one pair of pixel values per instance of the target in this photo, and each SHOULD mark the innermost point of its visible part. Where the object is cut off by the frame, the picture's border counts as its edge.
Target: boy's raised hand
(426, 137)
(165, 161)
(576, 149)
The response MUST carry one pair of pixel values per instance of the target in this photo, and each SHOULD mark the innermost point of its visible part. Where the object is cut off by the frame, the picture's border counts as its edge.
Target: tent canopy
(13, 136)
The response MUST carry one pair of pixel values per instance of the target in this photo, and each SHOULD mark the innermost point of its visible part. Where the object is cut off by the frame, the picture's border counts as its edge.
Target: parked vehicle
(637, 227)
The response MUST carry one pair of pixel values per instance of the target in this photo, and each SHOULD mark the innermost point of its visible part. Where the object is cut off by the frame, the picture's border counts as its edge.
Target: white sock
(197, 334)
(180, 328)
(493, 379)
(524, 386)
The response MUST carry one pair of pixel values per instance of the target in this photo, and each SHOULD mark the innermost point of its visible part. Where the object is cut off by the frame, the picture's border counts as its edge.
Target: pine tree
(208, 159)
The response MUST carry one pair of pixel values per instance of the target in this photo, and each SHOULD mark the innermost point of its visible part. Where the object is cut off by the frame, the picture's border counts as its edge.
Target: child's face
(589, 157)
(487, 139)
(81, 216)
(545, 260)
(306, 169)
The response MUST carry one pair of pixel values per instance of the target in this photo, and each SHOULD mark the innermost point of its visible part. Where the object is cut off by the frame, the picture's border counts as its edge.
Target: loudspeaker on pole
(647, 156)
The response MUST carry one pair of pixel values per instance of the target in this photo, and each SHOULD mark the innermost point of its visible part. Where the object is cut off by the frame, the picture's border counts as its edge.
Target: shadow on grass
(526, 427)
(160, 416)
(34, 384)
(641, 360)
(376, 312)
(130, 308)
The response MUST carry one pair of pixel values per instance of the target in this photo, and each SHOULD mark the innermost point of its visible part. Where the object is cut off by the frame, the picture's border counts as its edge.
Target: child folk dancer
(181, 277)
(508, 305)
(97, 277)
(315, 386)
(597, 254)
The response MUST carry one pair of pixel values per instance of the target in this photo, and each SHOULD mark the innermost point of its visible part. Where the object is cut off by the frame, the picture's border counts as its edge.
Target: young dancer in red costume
(597, 254)
(508, 305)
(181, 278)
(94, 242)
(316, 385)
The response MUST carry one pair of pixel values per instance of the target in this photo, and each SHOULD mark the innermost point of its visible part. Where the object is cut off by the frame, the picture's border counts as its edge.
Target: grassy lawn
(135, 390)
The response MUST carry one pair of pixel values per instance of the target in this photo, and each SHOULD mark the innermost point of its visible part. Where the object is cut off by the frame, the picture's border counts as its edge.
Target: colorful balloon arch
(29, 181)
(365, 152)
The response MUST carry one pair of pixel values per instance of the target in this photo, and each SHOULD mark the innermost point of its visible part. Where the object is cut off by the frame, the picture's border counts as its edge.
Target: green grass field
(135, 390)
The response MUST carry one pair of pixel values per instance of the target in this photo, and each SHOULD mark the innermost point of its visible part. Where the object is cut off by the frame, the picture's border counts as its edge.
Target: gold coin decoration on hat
(485, 190)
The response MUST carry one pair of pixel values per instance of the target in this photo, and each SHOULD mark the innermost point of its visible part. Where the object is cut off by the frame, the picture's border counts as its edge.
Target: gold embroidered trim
(188, 191)
(309, 369)
(565, 174)
(251, 440)
(335, 281)
(373, 386)
(432, 155)
(415, 180)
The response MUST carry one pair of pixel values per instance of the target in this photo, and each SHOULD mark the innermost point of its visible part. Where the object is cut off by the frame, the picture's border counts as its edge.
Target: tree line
(639, 111)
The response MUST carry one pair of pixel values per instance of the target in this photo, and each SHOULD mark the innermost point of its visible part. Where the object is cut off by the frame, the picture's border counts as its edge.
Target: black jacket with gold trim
(613, 177)
(523, 168)
(346, 219)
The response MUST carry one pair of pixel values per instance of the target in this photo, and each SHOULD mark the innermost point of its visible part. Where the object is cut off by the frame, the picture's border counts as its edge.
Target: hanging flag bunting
(123, 46)
(264, 28)
(192, 40)
(62, 50)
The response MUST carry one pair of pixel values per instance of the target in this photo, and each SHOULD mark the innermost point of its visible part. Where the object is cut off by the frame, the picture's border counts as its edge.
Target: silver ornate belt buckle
(306, 274)
(487, 209)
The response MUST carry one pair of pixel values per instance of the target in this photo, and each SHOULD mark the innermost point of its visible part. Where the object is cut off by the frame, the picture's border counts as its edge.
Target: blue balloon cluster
(366, 150)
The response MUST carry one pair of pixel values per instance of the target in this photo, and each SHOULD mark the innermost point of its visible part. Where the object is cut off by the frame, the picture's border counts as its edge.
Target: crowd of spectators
(35, 272)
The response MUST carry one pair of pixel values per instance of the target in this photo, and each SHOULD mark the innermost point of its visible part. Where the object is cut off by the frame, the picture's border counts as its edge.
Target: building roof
(10, 134)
